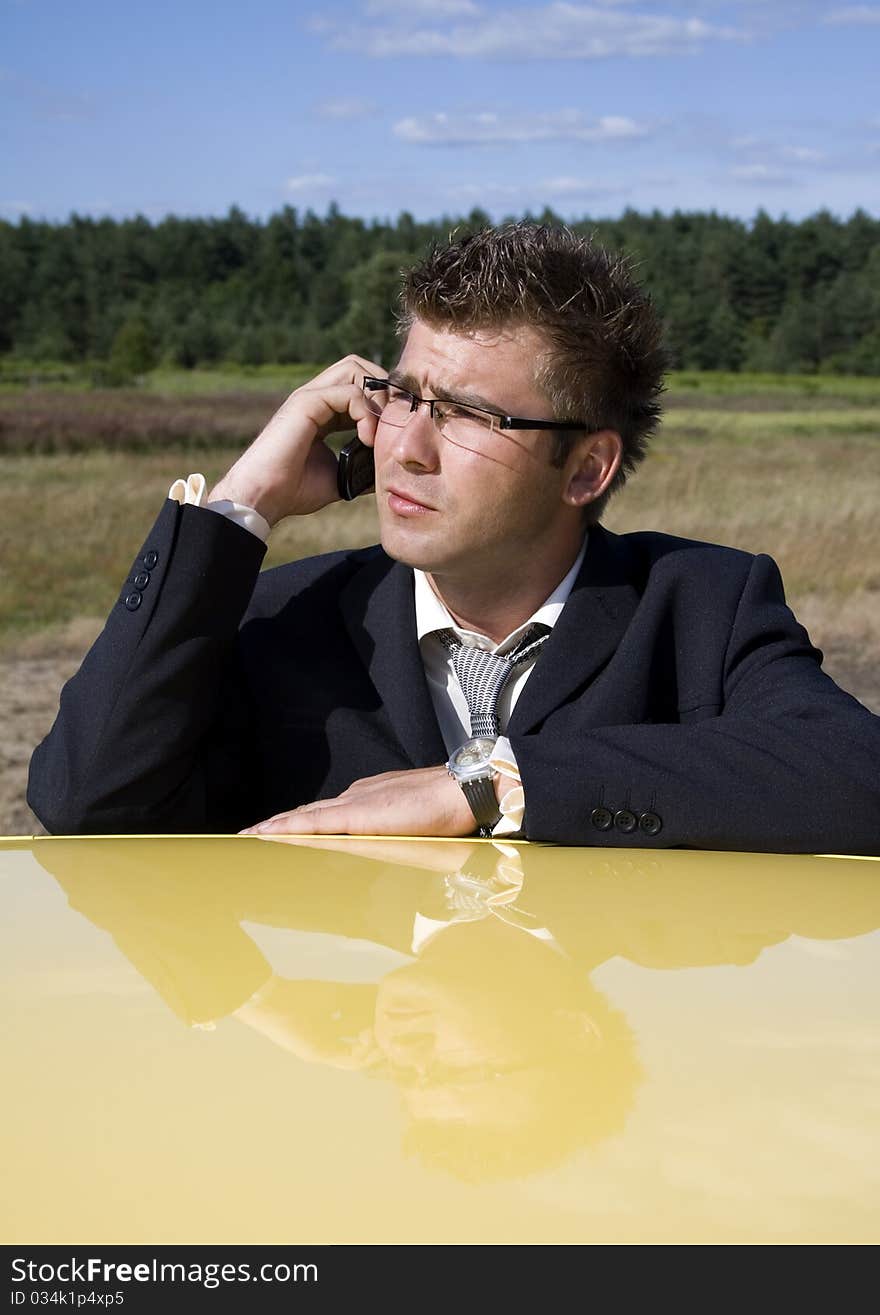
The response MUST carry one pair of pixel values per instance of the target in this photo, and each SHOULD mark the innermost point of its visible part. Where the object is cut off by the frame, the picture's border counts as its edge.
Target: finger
(366, 430)
(312, 821)
(296, 821)
(351, 369)
(267, 822)
(338, 817)
(271, 823)
(333, 408)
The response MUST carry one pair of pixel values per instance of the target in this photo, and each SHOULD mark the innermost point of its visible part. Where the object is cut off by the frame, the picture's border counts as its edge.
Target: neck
(496, 608)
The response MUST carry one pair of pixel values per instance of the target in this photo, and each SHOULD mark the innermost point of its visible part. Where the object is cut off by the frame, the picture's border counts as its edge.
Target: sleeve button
(133, 600)
(602, 819)
(141, 580)
(625, 820)
(150, 559)
(651, 823)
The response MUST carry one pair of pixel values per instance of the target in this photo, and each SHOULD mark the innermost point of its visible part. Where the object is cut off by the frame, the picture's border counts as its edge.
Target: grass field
(787, 466)
(761, 462)
(17, 376)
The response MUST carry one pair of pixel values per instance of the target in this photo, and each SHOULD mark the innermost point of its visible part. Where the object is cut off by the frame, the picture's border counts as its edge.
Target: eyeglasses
(467, 426)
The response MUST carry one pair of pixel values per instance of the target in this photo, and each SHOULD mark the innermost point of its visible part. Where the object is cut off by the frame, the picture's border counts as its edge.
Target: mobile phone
(356, 472)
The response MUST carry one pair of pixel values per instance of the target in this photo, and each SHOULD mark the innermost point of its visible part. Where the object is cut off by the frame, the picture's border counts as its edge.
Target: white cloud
(853, 16)
(309, 183)
(547, 189)
(767, 155)
(840, 152)
(485, 193)
(761, 173)
(560, 30)
(429, 8)
(345, 109)
(745, 143)
(491, 128)
(566, 186)
(803, 154)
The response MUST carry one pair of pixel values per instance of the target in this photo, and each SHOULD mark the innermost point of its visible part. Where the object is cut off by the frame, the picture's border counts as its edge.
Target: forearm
(129, 748)
(802, 780)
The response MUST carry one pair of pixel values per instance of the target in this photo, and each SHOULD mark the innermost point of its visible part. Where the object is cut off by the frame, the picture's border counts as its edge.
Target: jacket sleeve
(788, 763)
(150, 732)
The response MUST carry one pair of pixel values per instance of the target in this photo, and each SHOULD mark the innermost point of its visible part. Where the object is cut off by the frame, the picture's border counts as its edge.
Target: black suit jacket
(676, 686)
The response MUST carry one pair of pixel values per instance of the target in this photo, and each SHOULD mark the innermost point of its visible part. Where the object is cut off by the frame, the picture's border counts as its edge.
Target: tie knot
(483, 676)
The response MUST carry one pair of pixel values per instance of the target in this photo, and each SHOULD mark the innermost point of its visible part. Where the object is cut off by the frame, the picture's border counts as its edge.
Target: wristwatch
(470, 766)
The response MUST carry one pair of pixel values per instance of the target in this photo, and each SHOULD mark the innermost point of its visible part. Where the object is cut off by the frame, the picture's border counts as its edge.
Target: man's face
(453, 510)
(461, 1047)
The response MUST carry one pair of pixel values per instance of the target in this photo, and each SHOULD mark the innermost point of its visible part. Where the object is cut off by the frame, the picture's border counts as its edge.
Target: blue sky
(435, 106)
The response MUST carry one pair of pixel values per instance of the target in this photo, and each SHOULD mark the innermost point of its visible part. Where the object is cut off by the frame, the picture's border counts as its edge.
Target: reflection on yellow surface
(505, 1056)
(485, 1016)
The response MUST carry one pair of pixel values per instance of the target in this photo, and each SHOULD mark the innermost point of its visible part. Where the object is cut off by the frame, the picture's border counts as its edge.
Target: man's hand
(288, 470)
(421, 801)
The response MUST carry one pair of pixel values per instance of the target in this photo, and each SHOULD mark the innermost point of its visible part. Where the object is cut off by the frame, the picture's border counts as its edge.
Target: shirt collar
(432, 614)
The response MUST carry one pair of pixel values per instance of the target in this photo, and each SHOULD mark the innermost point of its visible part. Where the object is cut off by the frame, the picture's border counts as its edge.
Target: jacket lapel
(593, 622)
(378, 609)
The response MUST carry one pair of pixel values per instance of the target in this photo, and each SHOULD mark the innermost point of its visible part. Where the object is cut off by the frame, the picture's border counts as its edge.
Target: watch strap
(481, 796)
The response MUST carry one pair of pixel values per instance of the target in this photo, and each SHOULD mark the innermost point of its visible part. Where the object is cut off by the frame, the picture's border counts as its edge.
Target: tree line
(127, 295)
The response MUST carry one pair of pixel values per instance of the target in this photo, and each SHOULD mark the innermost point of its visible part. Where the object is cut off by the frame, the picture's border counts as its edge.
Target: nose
(416, 446)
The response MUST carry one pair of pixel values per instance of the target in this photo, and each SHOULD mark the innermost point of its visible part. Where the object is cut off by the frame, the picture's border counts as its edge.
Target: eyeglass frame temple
(504, 422)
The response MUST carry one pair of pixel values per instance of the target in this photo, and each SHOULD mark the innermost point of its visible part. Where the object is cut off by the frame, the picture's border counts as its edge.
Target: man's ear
(591, 466)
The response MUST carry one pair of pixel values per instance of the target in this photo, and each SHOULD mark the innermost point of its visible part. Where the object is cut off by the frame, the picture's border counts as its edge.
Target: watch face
(472, 758)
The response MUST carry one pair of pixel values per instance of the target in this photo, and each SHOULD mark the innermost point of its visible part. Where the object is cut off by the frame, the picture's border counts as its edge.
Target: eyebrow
(409, 382)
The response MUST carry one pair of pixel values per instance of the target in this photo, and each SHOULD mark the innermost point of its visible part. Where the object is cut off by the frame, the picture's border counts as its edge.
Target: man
(657, 691)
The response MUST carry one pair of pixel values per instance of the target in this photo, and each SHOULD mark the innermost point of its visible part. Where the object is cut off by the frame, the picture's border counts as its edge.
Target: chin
(410, 548)
(409, 555)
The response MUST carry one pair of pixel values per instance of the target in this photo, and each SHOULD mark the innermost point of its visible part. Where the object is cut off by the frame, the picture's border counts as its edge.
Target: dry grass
(809, 501)
(198, 409)
(134, 421)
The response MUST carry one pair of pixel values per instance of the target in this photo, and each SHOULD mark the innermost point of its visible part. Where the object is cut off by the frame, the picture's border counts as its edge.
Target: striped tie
(483, 675)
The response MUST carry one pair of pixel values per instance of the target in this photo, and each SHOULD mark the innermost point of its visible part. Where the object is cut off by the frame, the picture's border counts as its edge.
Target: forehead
(499, 364)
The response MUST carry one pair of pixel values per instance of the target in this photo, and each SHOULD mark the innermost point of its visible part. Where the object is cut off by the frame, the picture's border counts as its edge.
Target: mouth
(404, 504)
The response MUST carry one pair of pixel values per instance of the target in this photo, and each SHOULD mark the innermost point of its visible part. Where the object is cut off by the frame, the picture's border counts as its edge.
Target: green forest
(124, 296)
